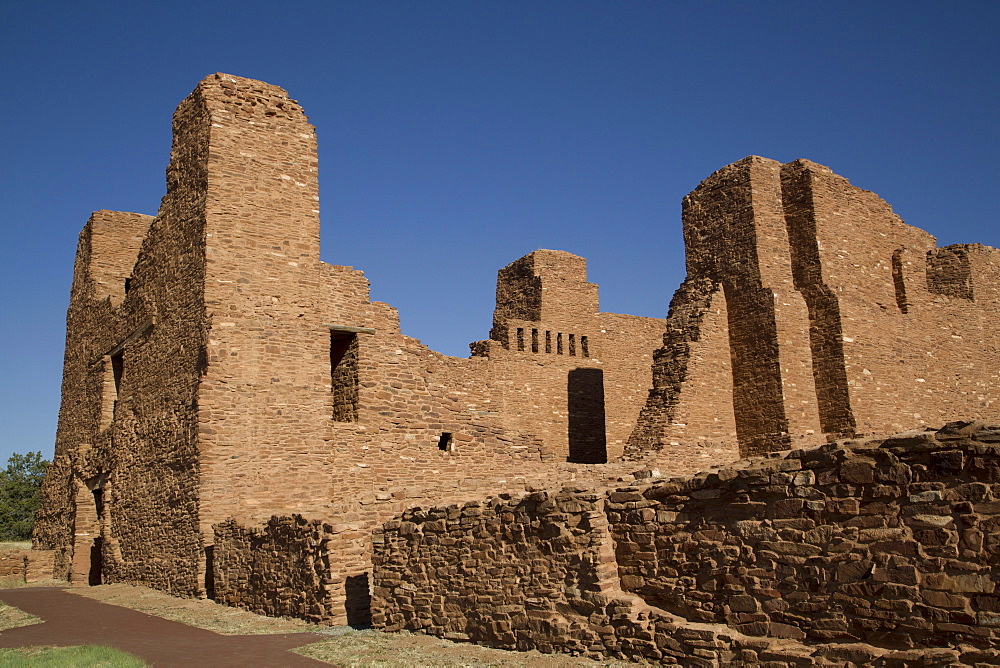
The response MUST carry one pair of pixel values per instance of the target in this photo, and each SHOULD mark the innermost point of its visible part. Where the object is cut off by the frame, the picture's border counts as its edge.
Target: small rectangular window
(559, 349)
(534, 340)
(583, 347)
(520, 338)
(444, 443)
(548, 341)
(572, 344)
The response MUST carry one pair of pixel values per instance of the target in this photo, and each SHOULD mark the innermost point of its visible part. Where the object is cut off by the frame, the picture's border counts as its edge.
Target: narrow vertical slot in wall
(548, 341)
(898, 280)
(534, 340)
(584, 349)
(559, 348)
(117, 373)
(520, 338)
(572, 344)
(344, 375)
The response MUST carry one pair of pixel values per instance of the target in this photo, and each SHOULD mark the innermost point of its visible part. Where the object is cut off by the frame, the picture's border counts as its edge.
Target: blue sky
(457, 136)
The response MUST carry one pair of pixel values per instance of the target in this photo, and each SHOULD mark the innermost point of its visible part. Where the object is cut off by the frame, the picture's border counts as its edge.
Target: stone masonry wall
(879, 552)
(560, 369)
(216, 370)
(26, 565)
(837, 318)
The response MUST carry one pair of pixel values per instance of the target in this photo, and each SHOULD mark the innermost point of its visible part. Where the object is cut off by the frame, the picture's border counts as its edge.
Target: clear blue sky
(457, 136)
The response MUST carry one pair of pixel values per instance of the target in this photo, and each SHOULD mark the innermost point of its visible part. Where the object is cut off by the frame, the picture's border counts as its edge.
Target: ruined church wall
(885, 550)
(841, 318)
(560, 369)
(100, 267)
(112, 434)
(910, 353)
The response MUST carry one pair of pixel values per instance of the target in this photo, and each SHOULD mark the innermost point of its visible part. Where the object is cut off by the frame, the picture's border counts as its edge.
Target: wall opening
(898, 281)
(572, 344)
(559, 348)
(359, 601)
(584, 350)
(548, 341)
(444, 443)
(949, 272)
(210, 572)
(534, 340)
(94, 576)
(520, 338)
(344, 375)
(586, 431)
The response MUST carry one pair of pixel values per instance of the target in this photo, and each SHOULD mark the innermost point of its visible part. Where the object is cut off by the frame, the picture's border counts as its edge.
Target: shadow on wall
(588, 442)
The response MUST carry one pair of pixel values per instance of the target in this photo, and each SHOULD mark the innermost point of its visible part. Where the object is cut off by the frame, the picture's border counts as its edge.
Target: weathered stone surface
(841, 590)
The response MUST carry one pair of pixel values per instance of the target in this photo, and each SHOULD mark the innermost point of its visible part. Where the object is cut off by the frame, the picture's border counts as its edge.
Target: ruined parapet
(835, 312)
(558, 367)
(547, 288)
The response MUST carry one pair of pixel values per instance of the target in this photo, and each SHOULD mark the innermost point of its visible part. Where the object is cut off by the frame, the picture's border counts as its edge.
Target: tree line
(20, 494)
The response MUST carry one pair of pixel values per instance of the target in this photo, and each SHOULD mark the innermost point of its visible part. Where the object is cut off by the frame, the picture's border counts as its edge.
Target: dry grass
(11, 617)
(200, 613)
(7, 545)
(375, 649)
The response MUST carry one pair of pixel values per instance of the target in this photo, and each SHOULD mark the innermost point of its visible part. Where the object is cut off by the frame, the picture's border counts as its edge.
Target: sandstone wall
(26, 565)
(837, 318)
(560, 369)
(876, 552)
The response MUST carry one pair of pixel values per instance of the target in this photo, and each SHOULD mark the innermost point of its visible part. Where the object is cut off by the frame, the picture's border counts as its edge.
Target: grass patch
(93, 656)
(8, 545)
(11, 617)
(17, 582)
(201, 613)
(376, 649)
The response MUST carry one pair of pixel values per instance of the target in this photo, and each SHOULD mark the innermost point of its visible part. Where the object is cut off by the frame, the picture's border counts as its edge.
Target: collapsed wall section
(880, 552)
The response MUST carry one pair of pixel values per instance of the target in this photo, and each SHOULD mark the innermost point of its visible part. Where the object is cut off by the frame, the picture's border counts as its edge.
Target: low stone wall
(281, 569)
(882, 552)
(893, 542)
(26, 565)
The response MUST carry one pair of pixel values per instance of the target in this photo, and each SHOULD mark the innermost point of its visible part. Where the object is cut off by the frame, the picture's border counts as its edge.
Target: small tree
(20, 493)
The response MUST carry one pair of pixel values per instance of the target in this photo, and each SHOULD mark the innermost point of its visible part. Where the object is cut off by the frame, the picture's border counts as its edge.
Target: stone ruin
(239, 417)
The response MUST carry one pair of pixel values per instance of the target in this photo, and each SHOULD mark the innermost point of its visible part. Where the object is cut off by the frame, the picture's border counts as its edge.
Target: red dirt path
(75, 620)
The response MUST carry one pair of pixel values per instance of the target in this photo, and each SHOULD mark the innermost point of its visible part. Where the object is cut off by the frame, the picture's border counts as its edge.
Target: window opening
(128, 284)
(344, 375)
(117, 373)
(583, 347)
(586, 424)
(444, 443)
(548, 341)
(534, 340)
(572, 344)
(520, 338)
(559, 349)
